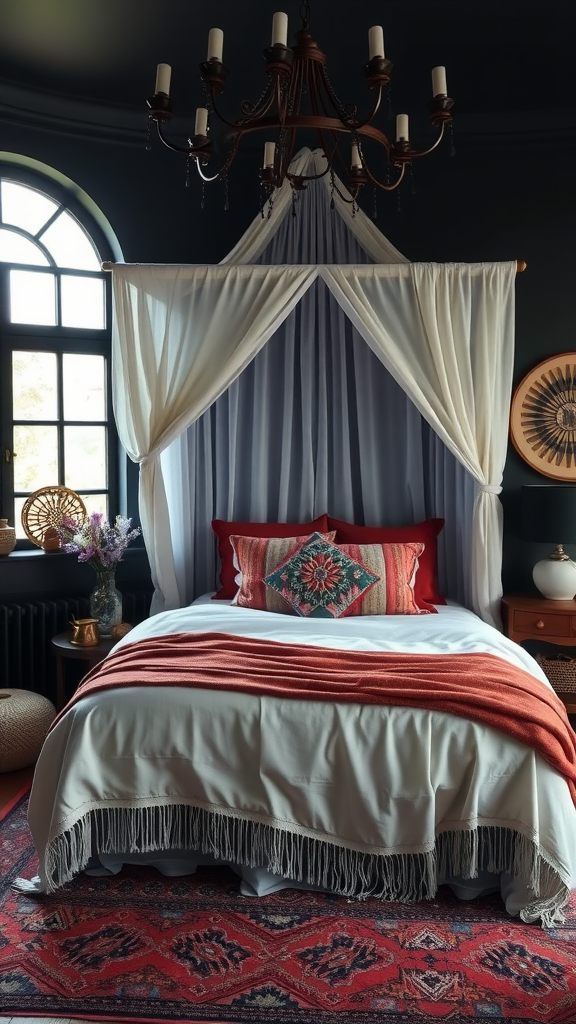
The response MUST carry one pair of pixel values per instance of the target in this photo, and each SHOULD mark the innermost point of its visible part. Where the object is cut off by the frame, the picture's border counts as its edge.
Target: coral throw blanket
(482, 687)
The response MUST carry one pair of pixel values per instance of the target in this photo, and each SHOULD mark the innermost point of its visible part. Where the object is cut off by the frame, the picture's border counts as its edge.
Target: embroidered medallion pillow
(319, 580)
(224, 529)
(396, 565)
(254, 558)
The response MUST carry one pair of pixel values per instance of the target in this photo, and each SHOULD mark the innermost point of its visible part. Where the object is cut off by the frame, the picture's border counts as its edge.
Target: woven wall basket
(25, 718)
(561, 671)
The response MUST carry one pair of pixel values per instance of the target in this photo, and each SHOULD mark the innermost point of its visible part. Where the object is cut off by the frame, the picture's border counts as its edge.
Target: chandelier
(299, 97)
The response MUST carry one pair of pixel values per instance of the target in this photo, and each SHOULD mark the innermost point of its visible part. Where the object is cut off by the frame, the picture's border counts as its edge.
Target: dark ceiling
(501, 55)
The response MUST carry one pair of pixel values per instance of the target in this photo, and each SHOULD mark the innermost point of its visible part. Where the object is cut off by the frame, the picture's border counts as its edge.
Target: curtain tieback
(490, 489)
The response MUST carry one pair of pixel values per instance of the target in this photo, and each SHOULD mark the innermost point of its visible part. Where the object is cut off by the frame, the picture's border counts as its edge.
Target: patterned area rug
(141, 947)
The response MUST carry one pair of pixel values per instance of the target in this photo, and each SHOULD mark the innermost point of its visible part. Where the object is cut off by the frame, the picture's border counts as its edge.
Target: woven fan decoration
(44, 511)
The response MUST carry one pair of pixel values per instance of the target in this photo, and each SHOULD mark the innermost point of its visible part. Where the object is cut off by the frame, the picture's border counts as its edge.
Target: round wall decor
(543, 417)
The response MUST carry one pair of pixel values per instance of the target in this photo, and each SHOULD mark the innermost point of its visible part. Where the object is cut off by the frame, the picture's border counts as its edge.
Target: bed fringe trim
(405, 877)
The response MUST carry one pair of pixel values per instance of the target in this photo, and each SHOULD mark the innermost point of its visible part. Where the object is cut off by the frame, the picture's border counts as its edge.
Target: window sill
(25, 553)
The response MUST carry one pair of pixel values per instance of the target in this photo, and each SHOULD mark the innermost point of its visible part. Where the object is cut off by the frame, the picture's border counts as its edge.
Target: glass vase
(106, 602)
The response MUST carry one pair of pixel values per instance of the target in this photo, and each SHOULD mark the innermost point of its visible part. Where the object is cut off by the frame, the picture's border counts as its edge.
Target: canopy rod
(520, 265)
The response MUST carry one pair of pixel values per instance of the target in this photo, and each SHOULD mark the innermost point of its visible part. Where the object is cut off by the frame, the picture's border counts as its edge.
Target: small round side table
(64, 649)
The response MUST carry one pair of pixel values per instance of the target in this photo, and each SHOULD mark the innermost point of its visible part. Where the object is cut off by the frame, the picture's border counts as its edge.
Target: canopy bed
(219, 728)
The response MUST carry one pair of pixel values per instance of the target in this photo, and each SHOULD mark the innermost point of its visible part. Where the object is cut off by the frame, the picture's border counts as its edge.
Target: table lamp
(548, 514)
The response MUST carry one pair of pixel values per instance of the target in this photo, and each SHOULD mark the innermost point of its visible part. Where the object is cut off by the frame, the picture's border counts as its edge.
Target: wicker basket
(561, 671)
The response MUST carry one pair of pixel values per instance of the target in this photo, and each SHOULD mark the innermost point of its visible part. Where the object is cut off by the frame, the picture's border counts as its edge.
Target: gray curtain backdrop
(314, 424)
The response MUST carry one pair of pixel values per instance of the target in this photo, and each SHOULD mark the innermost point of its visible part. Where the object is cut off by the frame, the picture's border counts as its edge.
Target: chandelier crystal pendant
(299, 98)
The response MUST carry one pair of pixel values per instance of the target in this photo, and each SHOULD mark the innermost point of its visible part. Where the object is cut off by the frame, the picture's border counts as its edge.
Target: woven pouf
(25, 718)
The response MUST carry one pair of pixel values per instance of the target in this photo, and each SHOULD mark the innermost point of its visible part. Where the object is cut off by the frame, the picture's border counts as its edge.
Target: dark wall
(506, 194)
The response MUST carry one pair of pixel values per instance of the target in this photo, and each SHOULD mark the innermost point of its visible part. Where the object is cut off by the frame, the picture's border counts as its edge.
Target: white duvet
(355, 798)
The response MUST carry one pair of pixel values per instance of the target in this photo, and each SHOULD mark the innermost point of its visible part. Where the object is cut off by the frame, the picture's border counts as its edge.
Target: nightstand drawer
(548, 624)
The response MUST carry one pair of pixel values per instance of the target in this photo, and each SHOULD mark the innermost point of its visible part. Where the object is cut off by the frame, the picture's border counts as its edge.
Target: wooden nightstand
(64, 649)
(537, 618)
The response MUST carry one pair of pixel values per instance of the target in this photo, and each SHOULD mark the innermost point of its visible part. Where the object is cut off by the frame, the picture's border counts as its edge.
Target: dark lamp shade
(548, 513)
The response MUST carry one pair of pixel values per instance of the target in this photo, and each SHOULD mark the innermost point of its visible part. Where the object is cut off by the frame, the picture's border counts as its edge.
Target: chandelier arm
(286, 141)
(415, 154)
(225, 166)
(208, 177)
(273, 94)
(281, 106)
(344, 199)
(337, 104)
(323, 105)
(329, 152)
(376, 107)
(344, 166)
(386, 186)
(230, 158)
(188, 150)
(351, 121)
(295, 89)
(242, 123)
(263, 104)
(285, 150)
(307, 177)
(266, 102)
(370, 132)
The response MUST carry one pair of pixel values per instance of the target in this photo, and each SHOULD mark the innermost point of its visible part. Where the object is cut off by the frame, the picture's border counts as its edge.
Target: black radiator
(26, 629)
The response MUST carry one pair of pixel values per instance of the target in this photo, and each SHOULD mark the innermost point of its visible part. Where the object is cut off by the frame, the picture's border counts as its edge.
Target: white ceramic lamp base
(555, 579)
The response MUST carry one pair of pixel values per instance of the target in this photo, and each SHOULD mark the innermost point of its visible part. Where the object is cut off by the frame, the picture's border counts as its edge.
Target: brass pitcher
(85, 632)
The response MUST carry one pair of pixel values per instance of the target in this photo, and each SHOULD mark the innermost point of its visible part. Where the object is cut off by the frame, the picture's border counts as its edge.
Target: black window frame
(58, 339)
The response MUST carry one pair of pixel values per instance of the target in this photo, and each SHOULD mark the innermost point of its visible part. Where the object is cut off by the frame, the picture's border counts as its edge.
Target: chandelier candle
(402, 128)
(439, 87)
(163, 75)
(215, 44)
(280, 29)
(201, 123)
(355, 161)
(376, 42)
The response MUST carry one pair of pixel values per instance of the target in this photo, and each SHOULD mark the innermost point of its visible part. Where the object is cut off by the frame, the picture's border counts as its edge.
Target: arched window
(55, 331)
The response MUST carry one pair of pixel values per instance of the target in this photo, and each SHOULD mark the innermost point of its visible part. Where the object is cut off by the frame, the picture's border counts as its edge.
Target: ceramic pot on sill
(7, 537)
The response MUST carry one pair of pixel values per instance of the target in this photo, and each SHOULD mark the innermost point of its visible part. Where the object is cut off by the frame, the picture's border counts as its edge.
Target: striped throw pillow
(396, 566)
(255, 558)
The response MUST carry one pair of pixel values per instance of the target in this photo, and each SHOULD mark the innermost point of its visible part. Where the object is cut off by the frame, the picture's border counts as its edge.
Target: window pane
(34, 385)
(32, 298)
(83, 302)
(15, 248)
(70, 245)
(95, 503)
(84, 388)
(36, 458)
(18, 506)
(85, 458)
(25, 207)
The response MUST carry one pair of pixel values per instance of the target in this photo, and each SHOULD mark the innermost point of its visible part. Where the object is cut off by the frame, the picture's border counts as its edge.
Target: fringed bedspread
(356, 798)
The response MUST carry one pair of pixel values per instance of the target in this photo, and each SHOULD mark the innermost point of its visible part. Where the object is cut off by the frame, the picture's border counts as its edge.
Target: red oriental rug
(138, 947)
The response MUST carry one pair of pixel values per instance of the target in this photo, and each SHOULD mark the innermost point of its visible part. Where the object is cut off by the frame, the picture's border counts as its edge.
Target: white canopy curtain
(350, 219)
(183, 334)
(315, 422)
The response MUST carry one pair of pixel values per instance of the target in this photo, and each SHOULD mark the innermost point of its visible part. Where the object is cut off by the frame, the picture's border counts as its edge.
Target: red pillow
(426, 586)
(224, 530)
